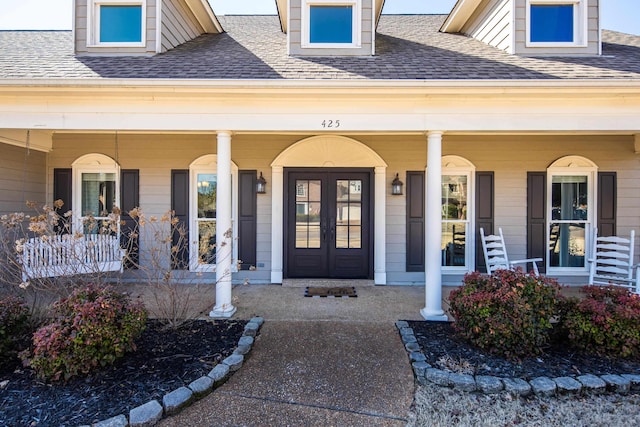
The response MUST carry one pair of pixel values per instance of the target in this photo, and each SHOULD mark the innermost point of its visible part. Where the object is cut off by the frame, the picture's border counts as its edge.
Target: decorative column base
(224, 312)
(436, 316)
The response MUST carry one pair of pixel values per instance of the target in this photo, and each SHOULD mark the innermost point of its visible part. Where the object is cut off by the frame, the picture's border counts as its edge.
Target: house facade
(515, 114)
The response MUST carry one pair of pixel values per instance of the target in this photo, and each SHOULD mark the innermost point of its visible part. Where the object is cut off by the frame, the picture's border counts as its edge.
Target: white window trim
(93, 22)
(580, 23)
(573, 166)
(90, 163)
(356, 24)
(455, 165)
(209, 164)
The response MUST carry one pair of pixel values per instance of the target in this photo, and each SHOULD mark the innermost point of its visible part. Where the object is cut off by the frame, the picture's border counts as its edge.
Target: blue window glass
(120, 24)
(331, 24)
(551, 23)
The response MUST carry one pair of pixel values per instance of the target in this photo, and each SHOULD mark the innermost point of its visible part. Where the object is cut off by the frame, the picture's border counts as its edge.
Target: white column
(380, 223)
(277, 219)
(224, 307)
(433, 230)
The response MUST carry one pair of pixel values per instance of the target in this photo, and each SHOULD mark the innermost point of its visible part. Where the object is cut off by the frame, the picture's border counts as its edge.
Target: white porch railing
(66, 255)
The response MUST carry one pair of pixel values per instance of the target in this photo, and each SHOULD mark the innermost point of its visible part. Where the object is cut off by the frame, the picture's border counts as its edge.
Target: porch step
(325, 283)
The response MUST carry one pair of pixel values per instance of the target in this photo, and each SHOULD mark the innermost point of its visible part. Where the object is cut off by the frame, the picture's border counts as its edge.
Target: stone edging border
(152, 412)
(540, 386)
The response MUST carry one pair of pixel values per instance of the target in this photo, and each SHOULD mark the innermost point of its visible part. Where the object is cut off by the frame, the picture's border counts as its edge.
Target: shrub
(93, 328)
(606, 322)
(14, 325)
(508, 313)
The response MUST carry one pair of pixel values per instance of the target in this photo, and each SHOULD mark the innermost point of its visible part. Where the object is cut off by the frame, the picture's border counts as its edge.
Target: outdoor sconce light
(261, 185)
(396, 186)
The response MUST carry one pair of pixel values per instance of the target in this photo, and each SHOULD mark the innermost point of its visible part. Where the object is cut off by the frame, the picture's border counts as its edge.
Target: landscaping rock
(117, 421)
(219, 374)
(258, 320)
(412, 346)
(145, 415)
(234, 362)
(617, 383)
(488, 384)
(633, 379)
(517, 386)
(592, 383)
(246, 340)
(251, 329)
(438, 376)
(420, 368)
(202, 386)
(176, 400)
(406, 331)
(417, 356)
(402, 324)
(543, 386)
(463, 382)
(406, 339)
(567, 385)
(242, 349)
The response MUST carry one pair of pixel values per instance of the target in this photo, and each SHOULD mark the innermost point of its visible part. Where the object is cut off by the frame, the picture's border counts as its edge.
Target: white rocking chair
(612, 262)
(495, 254)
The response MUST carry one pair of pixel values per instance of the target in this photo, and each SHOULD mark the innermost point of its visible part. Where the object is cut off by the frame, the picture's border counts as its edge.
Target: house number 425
(330, 124)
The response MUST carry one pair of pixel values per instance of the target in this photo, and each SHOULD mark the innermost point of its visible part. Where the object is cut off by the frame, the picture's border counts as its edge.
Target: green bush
(508, 313)
(93, 328)
(14, 325)
(605, 322)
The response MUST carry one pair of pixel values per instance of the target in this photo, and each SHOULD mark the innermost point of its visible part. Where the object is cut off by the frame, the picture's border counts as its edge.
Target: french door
(328, 223)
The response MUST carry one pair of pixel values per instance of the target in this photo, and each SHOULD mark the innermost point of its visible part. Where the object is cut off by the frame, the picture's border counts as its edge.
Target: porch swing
(67, 254)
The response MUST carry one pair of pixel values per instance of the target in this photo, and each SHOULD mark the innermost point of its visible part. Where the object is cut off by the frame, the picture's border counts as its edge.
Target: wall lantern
(396, 186)
(261, 185)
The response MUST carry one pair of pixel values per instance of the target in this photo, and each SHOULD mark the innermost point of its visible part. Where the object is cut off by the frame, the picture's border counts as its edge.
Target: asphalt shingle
(408, 47)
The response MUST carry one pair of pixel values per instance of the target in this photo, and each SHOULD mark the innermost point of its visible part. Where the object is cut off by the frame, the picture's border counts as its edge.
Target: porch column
(277, 219)
(224, 254)
(433, 230)
(380, 223)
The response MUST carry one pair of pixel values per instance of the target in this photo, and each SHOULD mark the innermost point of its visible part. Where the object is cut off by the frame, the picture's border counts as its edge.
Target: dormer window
(117, 22)
(556, 23)
(331, 23)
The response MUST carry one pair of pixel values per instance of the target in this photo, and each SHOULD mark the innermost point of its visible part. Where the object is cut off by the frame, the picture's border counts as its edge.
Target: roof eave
(459, 15)
(206, 17)
(283, 13)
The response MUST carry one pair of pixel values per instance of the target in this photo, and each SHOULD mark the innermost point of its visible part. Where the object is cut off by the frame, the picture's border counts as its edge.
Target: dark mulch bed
(438, 340)
(166, 359)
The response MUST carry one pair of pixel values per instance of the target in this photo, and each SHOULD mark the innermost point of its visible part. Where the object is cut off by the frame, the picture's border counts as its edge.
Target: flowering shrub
(606, 321)
(508, 313)
(93, 328)
(14, 325)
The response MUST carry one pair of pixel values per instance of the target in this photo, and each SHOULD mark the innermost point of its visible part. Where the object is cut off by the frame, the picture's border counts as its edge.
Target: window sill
(110, 45)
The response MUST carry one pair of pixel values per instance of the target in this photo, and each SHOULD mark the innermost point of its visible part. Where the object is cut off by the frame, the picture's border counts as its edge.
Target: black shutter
(537, 217)
(415, 221)
(129, 199)
(607, 200)
(247, 218)
(180, 208)
(63, 190)
(485, 200)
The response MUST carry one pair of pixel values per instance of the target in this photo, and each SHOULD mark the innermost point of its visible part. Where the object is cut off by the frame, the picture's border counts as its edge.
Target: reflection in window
(120, 23)
(349, 214)
(206, 219)
(552, 23)
(569, 218)
(454, 220)
(331, 24)
(308, 208)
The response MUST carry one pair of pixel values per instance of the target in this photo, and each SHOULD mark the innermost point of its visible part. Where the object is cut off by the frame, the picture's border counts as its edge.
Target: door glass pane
(349, 214)
(454, 197)
(308, 207)
(569, 198)
(206, 241)
(454, 244)
(207, 186)
(98, 193)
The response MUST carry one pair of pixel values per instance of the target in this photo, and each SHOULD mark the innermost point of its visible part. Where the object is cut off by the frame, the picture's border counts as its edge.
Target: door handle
(324, 233)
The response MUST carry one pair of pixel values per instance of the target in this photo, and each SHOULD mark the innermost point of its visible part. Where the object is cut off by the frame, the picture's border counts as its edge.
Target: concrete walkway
(317, 361)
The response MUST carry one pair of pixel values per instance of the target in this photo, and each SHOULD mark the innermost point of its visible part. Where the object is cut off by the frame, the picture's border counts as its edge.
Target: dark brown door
(328, 223)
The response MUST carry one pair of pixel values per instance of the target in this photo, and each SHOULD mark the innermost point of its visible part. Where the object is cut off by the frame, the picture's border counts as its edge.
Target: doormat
(346, 292)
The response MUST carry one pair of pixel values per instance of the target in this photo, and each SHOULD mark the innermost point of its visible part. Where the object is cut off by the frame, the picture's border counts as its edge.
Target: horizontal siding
(23, 178)
(493, 24)
(593, 34)
(179, 25)
(156, 155)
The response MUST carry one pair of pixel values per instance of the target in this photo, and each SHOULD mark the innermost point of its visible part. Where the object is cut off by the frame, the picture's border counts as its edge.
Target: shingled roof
(408, 47)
